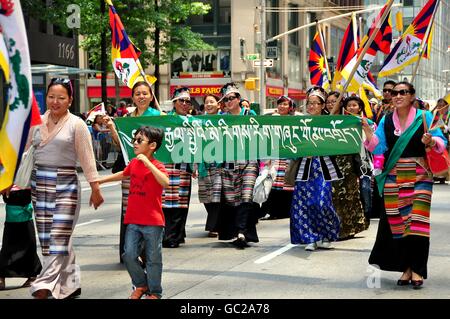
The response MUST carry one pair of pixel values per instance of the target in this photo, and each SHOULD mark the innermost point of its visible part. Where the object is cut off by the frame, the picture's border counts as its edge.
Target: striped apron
(56, 199)
(407, 197)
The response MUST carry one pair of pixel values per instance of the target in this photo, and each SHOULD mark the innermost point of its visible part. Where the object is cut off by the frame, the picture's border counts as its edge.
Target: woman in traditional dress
(62, 140)
(346, 192)
(209, 177)
(238, 214)
(278, 204)
(177, 195)
(314, 221)
(403, 237)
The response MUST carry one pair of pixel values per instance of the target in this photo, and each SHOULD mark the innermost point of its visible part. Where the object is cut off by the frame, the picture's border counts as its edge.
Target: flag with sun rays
(407, 49)
(317, 63)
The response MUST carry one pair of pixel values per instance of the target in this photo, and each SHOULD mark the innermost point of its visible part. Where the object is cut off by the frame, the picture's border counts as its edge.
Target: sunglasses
(387, 90)
(401, 92)
(65, 82)
(229, 99)
(139, 140)
(185, 101)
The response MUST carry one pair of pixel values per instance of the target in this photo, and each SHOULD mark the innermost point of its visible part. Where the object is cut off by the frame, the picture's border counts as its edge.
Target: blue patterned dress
(313, 217)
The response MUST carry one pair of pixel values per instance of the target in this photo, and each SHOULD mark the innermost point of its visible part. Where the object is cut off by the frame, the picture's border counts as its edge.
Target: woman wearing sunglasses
(238, 213)
(177, 195)
(314, 221)
(62, 140)
(403, 237)
(142, 97)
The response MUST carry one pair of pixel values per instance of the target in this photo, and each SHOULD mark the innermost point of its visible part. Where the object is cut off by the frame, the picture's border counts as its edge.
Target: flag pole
(319, 29)
(424, 42)
(361, 56)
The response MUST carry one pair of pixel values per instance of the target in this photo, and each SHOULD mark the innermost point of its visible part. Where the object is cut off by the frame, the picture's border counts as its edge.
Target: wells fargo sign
(200, 90)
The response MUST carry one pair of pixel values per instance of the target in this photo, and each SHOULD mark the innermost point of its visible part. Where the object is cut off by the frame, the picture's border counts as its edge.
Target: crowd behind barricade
(326, 198)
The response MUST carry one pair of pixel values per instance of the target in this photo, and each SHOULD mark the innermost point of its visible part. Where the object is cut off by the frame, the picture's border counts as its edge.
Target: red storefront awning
(96, 92)
(297, 94)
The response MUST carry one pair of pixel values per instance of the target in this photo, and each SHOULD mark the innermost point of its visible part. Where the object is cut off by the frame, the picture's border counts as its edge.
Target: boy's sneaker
(138, 292)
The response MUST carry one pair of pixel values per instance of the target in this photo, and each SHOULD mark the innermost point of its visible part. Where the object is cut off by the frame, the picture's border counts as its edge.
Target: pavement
(205, 268)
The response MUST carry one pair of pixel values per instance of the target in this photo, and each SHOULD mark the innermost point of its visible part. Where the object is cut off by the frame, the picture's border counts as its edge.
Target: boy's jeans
(152, 237)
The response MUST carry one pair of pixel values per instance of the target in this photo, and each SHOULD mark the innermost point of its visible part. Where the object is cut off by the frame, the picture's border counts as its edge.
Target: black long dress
(18, 256)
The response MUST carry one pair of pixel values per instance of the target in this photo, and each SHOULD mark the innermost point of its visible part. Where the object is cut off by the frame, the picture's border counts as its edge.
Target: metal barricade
(105, 150)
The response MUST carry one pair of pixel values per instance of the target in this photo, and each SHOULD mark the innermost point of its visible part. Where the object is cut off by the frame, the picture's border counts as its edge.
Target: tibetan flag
(427, 49)
(381, 42)
(317, 63)
(124, 54)
(98, 109)
(348, 49)
(406, 51)
(21, 107)
(367, 109)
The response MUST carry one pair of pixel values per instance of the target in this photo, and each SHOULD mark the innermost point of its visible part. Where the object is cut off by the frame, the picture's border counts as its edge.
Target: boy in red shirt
(144, 216)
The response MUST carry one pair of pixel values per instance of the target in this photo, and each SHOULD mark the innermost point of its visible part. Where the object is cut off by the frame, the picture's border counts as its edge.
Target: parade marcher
(177, 195)
(442, 116)
(331, 101)
(144, 216)
(62, 140)
(210, 178)
(278, 204)
(18, 255)
(244, 103)
(387, 98)
(314, 221)
(359, 167)
(403, 237)
(238, 214)
(143, 100)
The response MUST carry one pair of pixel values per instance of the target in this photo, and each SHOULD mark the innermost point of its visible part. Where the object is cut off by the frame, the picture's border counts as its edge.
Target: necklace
(54, 122)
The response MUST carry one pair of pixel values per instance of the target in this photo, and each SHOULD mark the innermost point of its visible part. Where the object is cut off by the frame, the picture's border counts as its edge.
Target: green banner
(219, 138)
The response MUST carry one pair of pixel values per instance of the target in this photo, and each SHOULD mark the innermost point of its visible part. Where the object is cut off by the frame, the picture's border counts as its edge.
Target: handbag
(439, 163)
(263, 184)
(23, 174)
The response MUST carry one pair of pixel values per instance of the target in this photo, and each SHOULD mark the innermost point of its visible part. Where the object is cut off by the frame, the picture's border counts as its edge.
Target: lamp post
(262, 70)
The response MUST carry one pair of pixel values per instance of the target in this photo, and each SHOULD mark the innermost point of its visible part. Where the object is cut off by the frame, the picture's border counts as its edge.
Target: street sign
(252, 57)
(267, 63)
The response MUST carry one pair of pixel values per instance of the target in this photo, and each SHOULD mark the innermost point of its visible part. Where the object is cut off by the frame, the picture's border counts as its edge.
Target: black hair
(411, 88)
(178, 90)
(213, 95)
(391, 82)
(154, 134)
(65, 83)
(442, 100)
(143, 83)
(243, 100)
(355, 98)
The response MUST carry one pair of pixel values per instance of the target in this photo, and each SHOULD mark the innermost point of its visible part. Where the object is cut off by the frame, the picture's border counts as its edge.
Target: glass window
(294, 64)
(272, 20)
(292, 24)
(224, 11)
